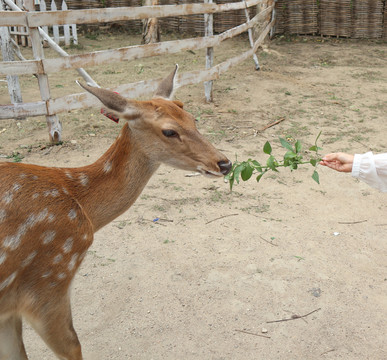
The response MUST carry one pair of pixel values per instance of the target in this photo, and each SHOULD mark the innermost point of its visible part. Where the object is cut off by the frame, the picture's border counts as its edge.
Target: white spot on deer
(85, 236)
(3, 257)
(61, 276)
(7, 197)
(65, 190)
(53, 284)
(13, 241)
(72, 262)
(8, 281)
(68, 245)
(72, 214)
(83, 178)
(41, 216)
(47, 274)
(23, 176)
(50, 218)
(35, 177)
(48, 236)
(35, 196)
(28, 260)
(57, 259)
(82, 256)
(68, 174)
(16, 187)
(53, 193)
(107, 167)
(3, 215)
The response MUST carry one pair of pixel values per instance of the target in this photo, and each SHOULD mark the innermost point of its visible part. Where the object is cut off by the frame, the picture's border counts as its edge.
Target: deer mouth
(209, 173)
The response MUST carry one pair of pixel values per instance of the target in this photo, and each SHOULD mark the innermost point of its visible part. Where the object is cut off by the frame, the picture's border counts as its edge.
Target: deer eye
(170, 133)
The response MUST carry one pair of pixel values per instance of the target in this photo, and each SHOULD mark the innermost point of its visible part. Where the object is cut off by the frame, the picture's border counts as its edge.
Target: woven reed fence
(342, 18)
(193, 24)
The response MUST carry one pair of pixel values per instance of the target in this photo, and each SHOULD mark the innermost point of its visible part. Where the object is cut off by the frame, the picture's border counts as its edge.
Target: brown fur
(48, 215)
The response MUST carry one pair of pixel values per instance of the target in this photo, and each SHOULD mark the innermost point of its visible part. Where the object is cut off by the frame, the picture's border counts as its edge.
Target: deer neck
(112, 184)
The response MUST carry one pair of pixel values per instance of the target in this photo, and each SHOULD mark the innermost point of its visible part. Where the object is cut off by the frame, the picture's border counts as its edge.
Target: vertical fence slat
(54, 125)
(250, 33)
(43, 7)
(66, 28)
(74, 34)
(20, 29)
(7, 52)
(209, 31)
(273, 17)
(55, 28)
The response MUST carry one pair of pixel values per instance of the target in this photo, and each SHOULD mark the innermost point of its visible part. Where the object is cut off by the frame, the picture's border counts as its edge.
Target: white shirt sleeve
(372, 169)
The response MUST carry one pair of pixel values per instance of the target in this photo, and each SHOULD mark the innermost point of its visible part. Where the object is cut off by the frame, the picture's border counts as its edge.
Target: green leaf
(259, 177)
(298, 146)
(316, 177)
(247, 172)
(238, 169)
(257, 165)
(286, 144)
(318, 136)
(231, 182)
(290, 155)
(267, 148)
(271, 163)
(313, 148)
(313, 162)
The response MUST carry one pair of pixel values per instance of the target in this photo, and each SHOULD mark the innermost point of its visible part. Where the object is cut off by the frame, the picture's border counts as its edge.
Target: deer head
(164, 130)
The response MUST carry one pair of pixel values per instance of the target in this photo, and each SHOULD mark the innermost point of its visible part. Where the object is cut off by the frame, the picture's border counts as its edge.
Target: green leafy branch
(292, 159)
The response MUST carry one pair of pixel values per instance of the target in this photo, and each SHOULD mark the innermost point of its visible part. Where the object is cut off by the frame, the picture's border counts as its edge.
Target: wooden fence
(40, 66)
(341, 18)
(66, 33)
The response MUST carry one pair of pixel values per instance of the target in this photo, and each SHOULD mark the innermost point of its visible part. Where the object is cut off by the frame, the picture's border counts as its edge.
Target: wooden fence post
(273, 17)
(7, 51)
(209, 31)
(54, 125)
(151, 27)
(250, 33)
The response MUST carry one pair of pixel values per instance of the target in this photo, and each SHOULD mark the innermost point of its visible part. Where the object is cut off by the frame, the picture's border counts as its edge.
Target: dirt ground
(208, 279)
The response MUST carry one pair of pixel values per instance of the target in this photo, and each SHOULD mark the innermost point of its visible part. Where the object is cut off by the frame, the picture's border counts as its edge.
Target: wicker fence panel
(367, 19)
(385, 22)
(344, 18)
(172, 23)
(229, 19)
(297, 16)
(134, 25)
(335, 17)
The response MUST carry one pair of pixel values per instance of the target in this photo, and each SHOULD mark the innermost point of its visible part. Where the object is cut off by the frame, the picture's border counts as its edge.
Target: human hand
(338, 161)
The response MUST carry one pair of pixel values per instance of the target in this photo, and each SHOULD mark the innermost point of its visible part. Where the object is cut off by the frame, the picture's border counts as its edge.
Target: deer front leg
(11, 341)
(53, 322)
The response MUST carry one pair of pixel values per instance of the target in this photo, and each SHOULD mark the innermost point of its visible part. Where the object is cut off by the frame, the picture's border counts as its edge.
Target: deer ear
(118, 104)
(167, 86)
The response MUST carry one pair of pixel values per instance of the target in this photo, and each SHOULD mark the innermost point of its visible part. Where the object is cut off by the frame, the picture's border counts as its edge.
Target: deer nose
(225, 166)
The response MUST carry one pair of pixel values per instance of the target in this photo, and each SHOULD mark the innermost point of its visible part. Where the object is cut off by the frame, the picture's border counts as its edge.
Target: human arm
(370, 168)
(338, 161)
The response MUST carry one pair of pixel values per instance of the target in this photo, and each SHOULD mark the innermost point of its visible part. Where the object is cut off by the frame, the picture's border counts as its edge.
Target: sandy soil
(207, 280)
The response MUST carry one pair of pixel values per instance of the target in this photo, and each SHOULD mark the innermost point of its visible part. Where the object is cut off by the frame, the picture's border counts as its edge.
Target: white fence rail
(64, 33)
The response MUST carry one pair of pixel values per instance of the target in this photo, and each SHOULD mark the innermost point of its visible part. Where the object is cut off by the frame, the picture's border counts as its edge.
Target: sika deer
(48, 215)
